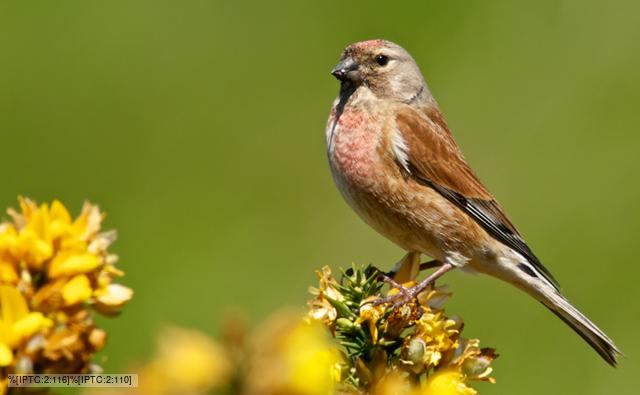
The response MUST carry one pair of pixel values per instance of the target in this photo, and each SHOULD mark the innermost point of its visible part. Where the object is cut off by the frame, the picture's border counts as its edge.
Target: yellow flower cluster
(291, 356)
(52, 268)
(186, 361)
(414, 349)
(285, 355)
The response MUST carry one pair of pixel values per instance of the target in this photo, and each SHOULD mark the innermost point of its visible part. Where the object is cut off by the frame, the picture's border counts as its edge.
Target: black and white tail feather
(549, 295)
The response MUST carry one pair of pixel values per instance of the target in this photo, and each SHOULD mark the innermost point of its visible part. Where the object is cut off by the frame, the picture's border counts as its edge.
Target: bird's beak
(347, 69)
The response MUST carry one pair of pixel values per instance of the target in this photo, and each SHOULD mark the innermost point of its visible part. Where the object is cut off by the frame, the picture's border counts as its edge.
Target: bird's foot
(406, 295)
(394, 285)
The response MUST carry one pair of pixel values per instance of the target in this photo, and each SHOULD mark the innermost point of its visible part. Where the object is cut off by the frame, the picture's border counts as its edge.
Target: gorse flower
(285, 355)
(186, 361)
(291, 356)
(56, 270)
(413, 349)
(345, 345)
(52, 270)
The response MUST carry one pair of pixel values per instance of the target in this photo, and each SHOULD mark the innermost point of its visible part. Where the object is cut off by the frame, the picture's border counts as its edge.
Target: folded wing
(432, 158)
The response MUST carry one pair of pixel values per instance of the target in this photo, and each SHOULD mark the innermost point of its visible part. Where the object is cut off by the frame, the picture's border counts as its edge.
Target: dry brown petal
(62, 344)
(97, 339)
(49, 297)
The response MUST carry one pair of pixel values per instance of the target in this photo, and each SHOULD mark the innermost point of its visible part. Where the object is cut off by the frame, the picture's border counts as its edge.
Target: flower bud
(476, 367)
(344, 323)
(416, 351)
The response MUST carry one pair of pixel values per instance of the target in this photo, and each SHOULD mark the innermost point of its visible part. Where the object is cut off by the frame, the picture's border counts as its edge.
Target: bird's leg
(430, 264)
(407, 269)
(393, 283)
(410, 293)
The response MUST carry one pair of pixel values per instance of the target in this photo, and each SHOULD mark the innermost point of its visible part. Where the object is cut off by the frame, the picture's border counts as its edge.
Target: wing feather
(435, 160)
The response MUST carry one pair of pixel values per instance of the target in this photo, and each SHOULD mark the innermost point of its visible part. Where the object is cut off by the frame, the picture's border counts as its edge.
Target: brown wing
(435, 160)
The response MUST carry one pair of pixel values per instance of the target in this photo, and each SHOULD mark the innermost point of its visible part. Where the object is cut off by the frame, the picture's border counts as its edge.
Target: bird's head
(385, 68)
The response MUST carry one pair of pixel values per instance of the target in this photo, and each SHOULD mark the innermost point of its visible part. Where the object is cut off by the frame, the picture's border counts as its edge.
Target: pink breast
(355, 148)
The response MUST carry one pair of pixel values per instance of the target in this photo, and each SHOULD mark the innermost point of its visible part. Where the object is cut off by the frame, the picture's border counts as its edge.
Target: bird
(396, 163)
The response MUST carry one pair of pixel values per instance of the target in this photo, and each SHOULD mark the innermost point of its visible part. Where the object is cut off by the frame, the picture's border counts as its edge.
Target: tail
(534, 283)
(596, 338)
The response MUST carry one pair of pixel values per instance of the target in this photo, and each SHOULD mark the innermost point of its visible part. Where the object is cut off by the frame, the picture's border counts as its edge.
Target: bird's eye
(382, 60)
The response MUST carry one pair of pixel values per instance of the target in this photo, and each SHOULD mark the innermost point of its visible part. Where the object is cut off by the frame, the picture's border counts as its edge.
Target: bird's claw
(404, 295)
(392, 283)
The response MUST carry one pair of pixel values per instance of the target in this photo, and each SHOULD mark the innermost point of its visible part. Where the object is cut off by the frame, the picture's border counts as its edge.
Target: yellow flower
(322, 311)
(110, 298)
(328, 284)
(68, 264)
(437, 335)
(309, 359)
(435, 298)
(17, 322)
(6, 355)
(114, 295)
(371, 315)
(77, 290)
(31, 237)
(8, 272)
(321, 308)
(393, 383)
(412, 349)
(30, 246)
(473, 361)
(52, 270)
(187, 361)
(292, 357)
(446, 382)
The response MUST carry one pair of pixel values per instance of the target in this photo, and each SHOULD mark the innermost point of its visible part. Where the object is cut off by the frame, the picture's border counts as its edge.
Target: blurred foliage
(199, 127)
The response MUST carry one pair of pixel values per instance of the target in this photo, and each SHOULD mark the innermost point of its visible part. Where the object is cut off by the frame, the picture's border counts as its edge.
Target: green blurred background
(199, 127)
